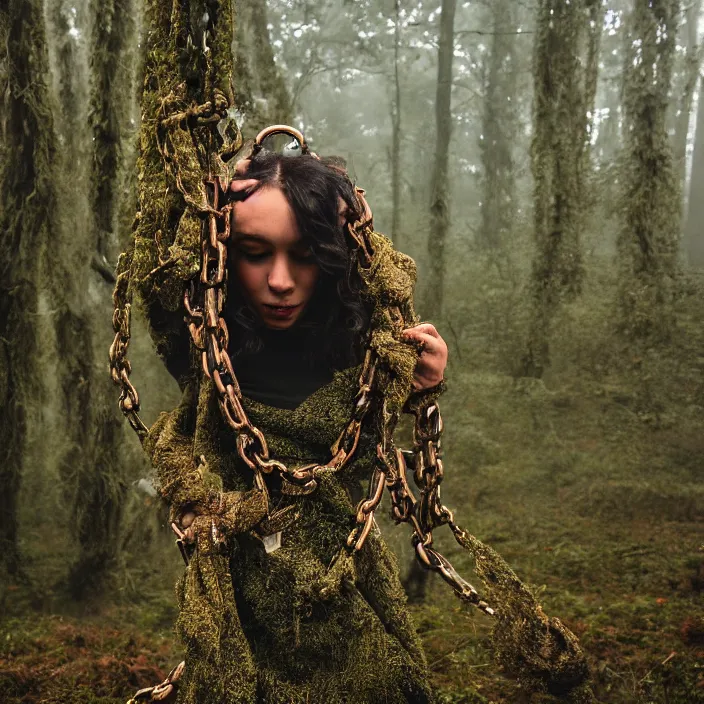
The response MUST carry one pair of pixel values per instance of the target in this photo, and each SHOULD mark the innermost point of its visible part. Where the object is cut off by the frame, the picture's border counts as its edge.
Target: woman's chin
(279, 324)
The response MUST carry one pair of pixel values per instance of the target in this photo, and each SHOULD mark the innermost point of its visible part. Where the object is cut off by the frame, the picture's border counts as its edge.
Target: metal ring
(282, 129)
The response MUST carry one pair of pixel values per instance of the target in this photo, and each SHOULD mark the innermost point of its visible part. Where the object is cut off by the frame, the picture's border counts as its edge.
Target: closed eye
(253, 256)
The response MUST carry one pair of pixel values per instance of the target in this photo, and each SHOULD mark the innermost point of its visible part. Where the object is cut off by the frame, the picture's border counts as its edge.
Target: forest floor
(591, 491)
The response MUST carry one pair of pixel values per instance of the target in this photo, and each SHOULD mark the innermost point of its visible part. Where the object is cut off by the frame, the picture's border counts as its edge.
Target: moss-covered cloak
(306, 623)
(255, 624)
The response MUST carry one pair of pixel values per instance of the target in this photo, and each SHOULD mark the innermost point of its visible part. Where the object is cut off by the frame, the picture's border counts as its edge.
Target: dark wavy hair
(336, 319)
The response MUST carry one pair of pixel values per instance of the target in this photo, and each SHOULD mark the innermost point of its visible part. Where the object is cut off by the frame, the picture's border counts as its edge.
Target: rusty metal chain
(120, 367)
(165, 692)
(429, 511)
(366, 507)
(425, 513)
(428, 468)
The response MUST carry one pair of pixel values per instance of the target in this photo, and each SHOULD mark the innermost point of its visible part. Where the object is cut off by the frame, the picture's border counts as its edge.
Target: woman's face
(273, 266)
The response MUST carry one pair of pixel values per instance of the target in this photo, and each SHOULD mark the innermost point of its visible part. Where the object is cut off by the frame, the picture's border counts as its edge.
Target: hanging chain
(120, 367)
(165, 692)
(429, 512)
(424, 514)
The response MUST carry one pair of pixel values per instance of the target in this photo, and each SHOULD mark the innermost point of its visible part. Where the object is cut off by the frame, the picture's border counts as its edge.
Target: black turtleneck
(279, 374)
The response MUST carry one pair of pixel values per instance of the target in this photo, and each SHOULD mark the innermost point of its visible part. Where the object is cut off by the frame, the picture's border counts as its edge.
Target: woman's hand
(430, 369)
(243, 184)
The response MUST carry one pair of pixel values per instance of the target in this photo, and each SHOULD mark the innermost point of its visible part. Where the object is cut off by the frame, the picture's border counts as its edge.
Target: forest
(542, 161)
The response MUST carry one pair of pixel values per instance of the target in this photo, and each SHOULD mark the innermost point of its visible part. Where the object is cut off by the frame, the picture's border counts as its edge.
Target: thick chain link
(165, 692)
(429, 510)
(425, 513)
(120, 367)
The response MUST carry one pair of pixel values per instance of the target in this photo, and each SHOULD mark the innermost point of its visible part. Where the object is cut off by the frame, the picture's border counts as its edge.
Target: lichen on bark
(26, 204)
(565, 62)
(650, 199)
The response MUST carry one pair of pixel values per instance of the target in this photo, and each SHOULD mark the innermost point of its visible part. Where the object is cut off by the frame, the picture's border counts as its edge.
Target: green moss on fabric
(541, 652)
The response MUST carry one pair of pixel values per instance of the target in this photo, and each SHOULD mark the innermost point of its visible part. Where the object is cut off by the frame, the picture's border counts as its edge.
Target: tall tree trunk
(498, 131)
(440, 187)
(185, 133)
(98, 463)
(694, 227)
(648, 242)
(26, 207)
(565, 71)
(188, 63)
(685, 95)
(396, 131)
(113, 25)
(65, 22)
(261, 92)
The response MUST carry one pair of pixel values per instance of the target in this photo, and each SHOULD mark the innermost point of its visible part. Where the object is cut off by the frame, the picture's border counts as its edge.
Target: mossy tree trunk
(113, 26)
(65, 19)
(261, 92)
(498, 131)
(188, 72)
(565, 68)
(440, 186)
(694, 230)
(683, 93)
(396, 130)
(26, 209)
(650, 208)
(99, 465)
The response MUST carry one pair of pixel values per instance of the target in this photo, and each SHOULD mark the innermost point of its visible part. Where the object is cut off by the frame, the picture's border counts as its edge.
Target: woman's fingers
(243, 184)
(432, 361)
(427, 328)
(427, 335)
(426, 341)
(242, 166)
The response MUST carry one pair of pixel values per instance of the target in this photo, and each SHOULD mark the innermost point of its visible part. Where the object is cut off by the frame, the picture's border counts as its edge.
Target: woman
(273, 607)
(290, 595)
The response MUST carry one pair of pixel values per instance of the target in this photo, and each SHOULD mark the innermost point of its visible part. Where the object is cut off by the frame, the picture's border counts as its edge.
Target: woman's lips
(282, 312)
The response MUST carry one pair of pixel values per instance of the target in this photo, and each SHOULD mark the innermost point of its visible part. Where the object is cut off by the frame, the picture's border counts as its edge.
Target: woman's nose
(280, 278)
